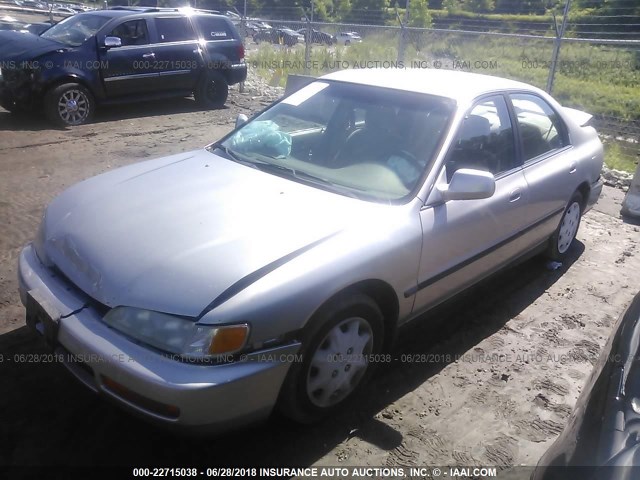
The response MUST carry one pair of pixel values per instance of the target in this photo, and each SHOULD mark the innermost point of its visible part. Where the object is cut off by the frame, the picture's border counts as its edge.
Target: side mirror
(112, 42)
(241, 120)
(468, 184)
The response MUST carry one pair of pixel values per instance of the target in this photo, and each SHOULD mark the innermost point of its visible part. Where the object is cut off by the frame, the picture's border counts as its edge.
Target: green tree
(341, 9)
(451, 6)
(419, 15)
(479, 6)
(368, 11)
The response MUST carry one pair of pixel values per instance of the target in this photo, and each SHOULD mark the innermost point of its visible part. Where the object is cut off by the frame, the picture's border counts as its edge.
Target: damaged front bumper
(192, 397)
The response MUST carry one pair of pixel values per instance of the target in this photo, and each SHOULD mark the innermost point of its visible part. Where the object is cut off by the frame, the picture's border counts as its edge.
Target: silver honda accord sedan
(273, 267)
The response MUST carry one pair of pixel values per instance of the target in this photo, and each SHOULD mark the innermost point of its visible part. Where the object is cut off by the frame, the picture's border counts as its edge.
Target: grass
(619, 156)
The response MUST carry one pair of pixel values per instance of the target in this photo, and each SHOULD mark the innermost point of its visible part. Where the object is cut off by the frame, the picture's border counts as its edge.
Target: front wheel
(212, 90)
(69, 104)
(336, 353)
(566, 232)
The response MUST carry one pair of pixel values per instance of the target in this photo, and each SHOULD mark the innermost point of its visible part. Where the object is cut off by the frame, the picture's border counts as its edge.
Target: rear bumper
(237, 73)
(594, 194)
(207, 398)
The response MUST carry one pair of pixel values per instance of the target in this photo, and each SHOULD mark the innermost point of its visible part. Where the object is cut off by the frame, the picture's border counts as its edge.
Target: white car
(347, 38)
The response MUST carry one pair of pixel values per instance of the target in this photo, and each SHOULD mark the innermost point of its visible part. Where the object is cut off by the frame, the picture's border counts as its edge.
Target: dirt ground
(492, 380)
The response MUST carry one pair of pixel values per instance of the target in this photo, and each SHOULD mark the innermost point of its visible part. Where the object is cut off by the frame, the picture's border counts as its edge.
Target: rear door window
(174, 29)
(541, 129)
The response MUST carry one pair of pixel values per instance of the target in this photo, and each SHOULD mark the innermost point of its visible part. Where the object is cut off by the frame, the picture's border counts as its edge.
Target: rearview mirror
(468, 184)
(241, 120)
(112, 42)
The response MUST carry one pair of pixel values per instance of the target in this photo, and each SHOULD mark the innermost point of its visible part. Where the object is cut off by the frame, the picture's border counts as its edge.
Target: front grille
(101, 308)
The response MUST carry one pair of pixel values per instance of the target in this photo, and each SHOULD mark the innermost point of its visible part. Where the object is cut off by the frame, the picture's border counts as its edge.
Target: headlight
(178, 335)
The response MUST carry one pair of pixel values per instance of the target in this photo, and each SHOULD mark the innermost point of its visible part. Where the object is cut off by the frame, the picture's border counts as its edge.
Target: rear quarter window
(212, 28)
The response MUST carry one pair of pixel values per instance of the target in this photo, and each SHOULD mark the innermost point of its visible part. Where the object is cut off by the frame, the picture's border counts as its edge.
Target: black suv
(117, 56)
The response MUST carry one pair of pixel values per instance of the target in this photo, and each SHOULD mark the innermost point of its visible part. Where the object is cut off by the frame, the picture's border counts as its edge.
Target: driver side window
(133, 32)
(485, 139)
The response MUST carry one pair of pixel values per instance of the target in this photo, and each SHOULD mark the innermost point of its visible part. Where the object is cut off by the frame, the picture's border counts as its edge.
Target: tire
(561, 241)
(348, 331)
(69, 104)
(347, 43)
(212, 90)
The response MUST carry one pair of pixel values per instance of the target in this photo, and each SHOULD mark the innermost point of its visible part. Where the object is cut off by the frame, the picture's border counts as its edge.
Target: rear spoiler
(578, 116)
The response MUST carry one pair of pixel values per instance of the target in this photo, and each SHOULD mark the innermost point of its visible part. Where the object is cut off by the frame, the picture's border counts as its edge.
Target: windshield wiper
(233, 155)
(279, 169)
(304, 176)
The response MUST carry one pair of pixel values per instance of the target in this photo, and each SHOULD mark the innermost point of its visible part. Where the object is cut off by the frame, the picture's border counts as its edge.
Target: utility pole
(308, 40)
(556, 45)
(403, 32)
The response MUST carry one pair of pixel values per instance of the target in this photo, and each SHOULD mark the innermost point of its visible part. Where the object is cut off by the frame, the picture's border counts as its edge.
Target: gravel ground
(490, 381)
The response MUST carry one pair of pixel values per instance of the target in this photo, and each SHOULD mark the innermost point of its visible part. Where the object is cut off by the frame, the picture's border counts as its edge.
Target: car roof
(458, 85)
(118, 12)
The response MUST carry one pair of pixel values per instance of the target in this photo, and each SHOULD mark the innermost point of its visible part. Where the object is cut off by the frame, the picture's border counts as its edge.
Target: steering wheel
(348, 130)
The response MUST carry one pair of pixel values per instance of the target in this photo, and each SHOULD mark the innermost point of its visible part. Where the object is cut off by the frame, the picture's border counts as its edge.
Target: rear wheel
(69, 104)
(566, 232)
(335, 365)
(212, 90)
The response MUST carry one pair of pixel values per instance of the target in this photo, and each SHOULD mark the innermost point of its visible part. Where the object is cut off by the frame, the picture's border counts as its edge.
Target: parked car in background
(250, 29)
(34, 5)
(274, 267)
(347, 38)
(64, 11)
(318, 37)
(36, 28)
(233, 16)
(281, 36)
(117, 56)
(601, 440)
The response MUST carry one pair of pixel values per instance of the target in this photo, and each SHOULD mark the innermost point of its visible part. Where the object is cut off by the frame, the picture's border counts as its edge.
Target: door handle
(515, 195)
(572, 167)
(149, 55)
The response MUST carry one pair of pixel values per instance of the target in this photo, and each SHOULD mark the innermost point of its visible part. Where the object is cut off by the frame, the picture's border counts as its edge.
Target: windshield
(73, 31)
(369, 142)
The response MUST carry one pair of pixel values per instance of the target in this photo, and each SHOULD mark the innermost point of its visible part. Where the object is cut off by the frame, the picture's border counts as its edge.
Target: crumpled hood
(21, 46)
(173, 234)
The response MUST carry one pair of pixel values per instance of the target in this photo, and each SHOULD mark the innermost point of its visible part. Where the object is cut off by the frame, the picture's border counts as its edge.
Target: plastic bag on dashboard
(263, 136)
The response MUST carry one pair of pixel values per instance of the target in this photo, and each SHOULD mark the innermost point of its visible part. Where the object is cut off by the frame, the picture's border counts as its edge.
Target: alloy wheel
(73, 107)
